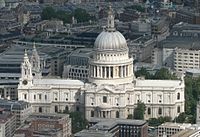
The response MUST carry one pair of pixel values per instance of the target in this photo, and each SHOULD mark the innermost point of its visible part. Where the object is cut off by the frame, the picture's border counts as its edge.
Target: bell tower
(26, 71)
(35, 63)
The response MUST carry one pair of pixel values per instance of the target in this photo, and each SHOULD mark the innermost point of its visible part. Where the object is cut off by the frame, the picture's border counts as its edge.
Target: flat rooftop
(46, 116)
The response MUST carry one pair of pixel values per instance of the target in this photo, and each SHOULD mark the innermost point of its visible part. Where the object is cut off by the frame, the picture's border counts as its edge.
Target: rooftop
(58, 82)
(13, 105)
(93, 133)
(46, 116)
(158, 83)
(185, 133)
(111, 121)
(176, 125)
(194, 71)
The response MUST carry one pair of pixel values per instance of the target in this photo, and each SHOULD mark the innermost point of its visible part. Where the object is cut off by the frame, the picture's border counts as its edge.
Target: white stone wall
(49, 96)
(124, 101)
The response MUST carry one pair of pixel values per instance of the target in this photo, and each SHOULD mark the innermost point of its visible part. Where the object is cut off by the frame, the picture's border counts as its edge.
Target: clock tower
(26, 71)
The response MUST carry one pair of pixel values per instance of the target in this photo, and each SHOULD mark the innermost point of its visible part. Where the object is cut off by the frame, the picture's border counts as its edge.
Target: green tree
(66, 17)
(143, 72)
(181, 118)
(139, 111)
(136, 7)
(78, 121)
(192, 92)
(164, 73)
(159, 121)
(81, 15)
(48, 13)
(154, 122)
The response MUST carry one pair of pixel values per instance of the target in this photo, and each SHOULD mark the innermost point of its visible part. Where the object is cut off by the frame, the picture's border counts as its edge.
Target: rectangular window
(25, 96)
(40, 96)
(34, 96)
(104, 99)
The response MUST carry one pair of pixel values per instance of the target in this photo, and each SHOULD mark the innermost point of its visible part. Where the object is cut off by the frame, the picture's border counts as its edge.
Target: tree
(143, 72)
(154, 122)
(181, 118)
(136, 7)
(81, 15)
(139, 111)
(78, 121)
(159, 121)
(66, 17)
(48, 13)
(164, 73)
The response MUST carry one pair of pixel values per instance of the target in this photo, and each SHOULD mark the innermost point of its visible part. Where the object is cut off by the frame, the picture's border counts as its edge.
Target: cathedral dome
(110, 40)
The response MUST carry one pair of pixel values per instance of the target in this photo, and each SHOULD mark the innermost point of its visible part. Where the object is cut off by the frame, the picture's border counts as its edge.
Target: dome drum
(110, 72)
(109, 57)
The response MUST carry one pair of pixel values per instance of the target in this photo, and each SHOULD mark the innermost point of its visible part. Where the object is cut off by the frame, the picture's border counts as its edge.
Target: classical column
(125, 71)
(104, 72)
(128, 70)
(121, 71)
(109, 72)
(101, 75)
(91, 70)
(94, 71)
(98, 71)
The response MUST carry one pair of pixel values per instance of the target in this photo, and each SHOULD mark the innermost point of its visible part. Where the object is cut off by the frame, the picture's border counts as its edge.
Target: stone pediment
(104, 91)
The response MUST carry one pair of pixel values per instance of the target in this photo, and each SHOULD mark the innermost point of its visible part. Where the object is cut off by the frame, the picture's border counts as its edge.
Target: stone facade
(112, 90)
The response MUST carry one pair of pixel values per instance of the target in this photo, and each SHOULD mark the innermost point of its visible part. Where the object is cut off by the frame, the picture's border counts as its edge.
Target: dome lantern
(110, 20)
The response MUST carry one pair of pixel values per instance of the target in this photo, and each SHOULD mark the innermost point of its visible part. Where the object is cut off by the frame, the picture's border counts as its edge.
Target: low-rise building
(183, 29)
(48, 125)
(160, 27)
(7, 123)
(21, 109)
(187, 14)
(195, 73)
(114, 128)
(141, 48)
(168, 129)
(167, 53)
(76, 66)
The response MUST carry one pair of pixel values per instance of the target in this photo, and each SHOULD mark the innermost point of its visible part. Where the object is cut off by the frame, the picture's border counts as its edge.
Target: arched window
(66, 108)
(40, 110)
(160, 111)
(149, 111)
(117, 114)
(92, 113)
(56, 108)
(178, 96)
(178, 109)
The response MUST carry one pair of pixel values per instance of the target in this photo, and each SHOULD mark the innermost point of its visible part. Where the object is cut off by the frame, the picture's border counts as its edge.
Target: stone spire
(111, 20)
(35, 62)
